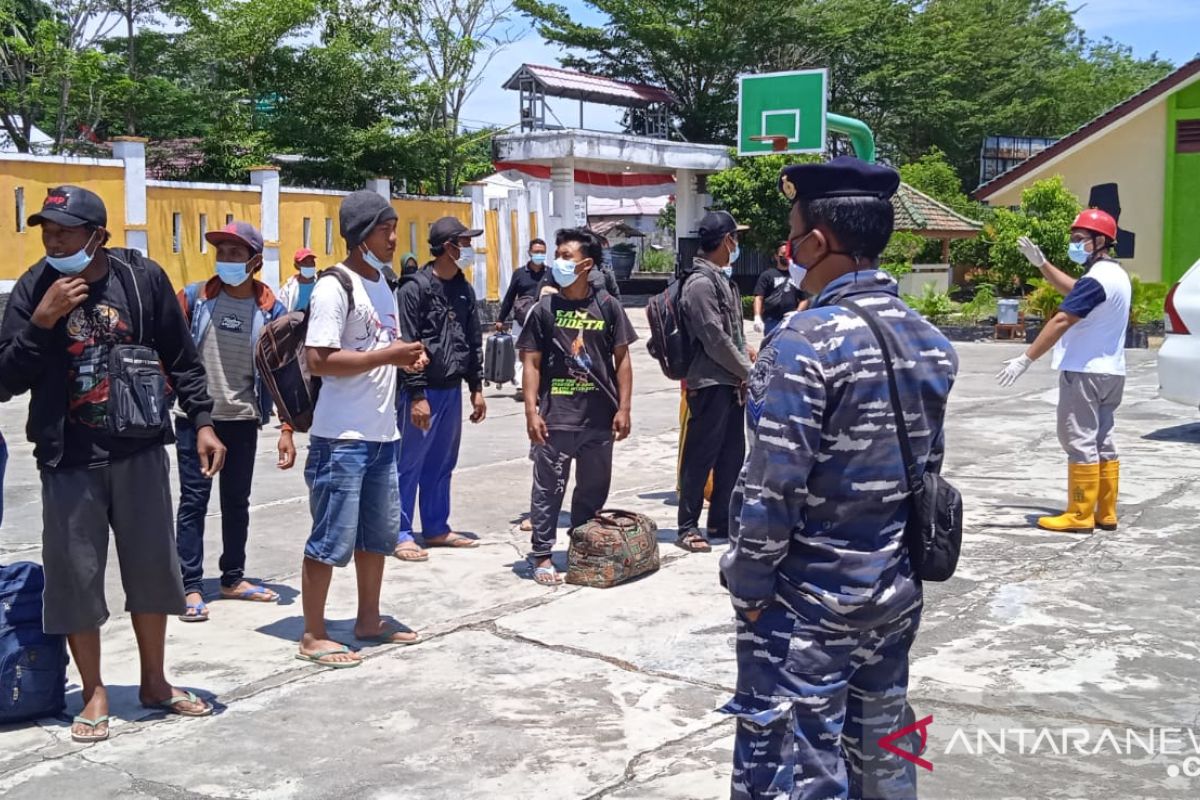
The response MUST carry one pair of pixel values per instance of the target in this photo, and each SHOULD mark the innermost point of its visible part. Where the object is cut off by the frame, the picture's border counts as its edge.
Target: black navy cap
(717, 224)
(71, 207)
(448, 228)
(844, 176)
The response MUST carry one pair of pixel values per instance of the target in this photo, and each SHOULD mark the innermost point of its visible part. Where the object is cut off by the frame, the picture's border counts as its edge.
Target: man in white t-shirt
(1088, 338)
(354, 345)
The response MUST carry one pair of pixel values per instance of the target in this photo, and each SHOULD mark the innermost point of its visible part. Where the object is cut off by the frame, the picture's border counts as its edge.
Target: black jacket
(35, 360)
(443, 315)
(525, 283)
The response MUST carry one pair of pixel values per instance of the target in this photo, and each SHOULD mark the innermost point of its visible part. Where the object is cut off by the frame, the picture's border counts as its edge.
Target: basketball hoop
(778, 143)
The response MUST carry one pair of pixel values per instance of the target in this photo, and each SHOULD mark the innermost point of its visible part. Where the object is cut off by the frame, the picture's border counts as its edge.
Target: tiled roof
(920, 213)
(1168, 84)
(557, 82)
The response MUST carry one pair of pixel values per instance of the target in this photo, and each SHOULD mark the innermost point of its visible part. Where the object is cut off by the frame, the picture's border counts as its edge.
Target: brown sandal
(413, 553)
(694, 542)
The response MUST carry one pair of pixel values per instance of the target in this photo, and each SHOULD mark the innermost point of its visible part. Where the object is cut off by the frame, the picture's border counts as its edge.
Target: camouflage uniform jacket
(821, 503)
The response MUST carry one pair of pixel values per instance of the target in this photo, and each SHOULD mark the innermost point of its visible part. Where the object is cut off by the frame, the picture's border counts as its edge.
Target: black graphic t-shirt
(92, 328)
(779, 296)
(577, 339)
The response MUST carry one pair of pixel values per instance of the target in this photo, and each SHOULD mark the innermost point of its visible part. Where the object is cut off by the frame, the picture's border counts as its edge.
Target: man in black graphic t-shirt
(578, 389)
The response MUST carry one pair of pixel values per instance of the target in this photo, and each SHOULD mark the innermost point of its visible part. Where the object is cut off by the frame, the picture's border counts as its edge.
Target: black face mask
(794, 248)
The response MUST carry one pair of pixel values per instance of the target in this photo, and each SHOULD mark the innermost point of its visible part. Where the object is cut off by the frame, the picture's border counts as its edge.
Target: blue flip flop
(93, 724)
(252, 594)
(198, 612)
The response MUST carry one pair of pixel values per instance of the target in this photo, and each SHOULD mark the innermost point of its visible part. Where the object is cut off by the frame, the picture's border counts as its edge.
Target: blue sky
(1167, 27)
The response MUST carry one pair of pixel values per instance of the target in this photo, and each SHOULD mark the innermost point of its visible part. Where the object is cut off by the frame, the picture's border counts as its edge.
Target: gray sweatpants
(133, 495)
(591, 450)
(1087, 404)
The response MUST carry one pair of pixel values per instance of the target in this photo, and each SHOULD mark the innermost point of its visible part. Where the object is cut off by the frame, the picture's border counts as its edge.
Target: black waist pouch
(137, 392)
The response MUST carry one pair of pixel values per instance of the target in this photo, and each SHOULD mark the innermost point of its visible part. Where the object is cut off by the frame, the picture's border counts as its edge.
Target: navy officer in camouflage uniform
(826, 602)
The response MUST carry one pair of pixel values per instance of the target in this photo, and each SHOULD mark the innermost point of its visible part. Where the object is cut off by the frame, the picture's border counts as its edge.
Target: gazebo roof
(919, 213)
(559, 82)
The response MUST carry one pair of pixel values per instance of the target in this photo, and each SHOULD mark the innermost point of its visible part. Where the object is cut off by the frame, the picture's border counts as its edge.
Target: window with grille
(176, 232)
(308, 232)
(1187, 136)
(329, 236)
(19, 197)
(203, 233)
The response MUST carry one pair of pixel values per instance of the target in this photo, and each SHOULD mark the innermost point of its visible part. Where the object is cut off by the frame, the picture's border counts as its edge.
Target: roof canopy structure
(919, 213)
(536, 83)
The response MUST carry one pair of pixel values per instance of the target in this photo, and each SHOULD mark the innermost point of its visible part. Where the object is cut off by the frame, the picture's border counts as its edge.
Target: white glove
(1013, 369)
(1031, 251)
(758, 325)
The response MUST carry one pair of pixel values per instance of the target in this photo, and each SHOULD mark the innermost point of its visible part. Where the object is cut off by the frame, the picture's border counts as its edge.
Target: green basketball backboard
(788, 104)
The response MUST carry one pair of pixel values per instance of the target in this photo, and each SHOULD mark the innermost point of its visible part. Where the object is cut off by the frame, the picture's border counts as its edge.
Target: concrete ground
(521, 691)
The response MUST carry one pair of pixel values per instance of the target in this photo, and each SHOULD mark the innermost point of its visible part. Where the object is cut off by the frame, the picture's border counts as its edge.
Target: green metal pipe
(860, 135)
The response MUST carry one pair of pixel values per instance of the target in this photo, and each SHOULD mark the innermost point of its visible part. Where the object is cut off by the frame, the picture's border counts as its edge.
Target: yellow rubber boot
(1083, 489)
(1106, 504)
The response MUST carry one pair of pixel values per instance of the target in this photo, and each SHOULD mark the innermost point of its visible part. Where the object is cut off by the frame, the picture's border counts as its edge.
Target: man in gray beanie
(355, 503)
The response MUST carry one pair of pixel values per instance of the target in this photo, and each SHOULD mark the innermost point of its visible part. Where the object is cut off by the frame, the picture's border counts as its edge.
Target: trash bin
(1008, 312)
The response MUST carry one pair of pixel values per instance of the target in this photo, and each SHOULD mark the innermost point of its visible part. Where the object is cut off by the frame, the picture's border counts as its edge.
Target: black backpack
(670, 343)
(283, 365)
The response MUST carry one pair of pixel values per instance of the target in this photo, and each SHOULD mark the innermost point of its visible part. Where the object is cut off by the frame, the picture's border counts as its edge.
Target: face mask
(564, 272)
(735, 253)
(74, 263)
(232, 273)
(466, 257)
(308, 272)
(375, 261)
(538, 258)
(796, 274)
(1077, 253)
(728, 272)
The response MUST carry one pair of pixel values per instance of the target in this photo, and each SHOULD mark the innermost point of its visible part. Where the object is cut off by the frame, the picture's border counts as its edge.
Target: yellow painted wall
(1132, 156)
(195, 259)
(294, 208)
(23, 248)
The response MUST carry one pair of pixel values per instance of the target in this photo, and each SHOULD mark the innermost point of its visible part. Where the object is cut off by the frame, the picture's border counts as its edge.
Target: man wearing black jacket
(438, 308)
(67, 314)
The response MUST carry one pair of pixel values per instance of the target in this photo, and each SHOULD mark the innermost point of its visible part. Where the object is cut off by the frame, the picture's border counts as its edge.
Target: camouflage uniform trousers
(813, 700)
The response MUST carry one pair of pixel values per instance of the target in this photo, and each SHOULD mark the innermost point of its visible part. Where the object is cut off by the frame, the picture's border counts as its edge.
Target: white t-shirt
(361, 407)
(1096, 344)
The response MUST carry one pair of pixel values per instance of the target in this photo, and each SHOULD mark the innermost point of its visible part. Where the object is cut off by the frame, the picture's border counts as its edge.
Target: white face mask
(797, 273)
(466, 257)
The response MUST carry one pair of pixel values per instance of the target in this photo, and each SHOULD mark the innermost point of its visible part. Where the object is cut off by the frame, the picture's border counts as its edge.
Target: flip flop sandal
(409, 554)
(694, 543)
(386, 638)
(93, 724)
(546, 576)
(252, 594)
(196, 612)
(315, 658)
(455, 541)
(171, 705)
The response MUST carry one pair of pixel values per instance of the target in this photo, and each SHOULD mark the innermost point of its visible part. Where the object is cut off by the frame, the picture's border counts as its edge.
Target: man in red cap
(298, 289)
(1087, 336)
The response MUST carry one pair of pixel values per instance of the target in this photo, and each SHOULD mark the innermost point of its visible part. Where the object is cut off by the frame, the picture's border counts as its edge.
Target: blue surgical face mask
(564, 272)
(232, 273)
(308, 272)
(538, 258)
(727, 271)
(373, 260)
(1076, 253)
(74, 263)
(735, 254)
(796, 273)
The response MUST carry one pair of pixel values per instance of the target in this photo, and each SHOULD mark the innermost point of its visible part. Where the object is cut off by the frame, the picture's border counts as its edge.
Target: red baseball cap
(302, 254)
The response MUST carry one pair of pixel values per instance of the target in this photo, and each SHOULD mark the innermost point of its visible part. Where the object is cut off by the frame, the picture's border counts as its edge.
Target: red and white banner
(612, 185)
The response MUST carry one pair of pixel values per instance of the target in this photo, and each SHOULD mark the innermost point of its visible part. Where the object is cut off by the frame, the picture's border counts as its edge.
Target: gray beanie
(360, 212)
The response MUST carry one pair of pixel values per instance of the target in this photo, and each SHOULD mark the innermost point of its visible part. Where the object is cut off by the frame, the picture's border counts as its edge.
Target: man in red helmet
(1087, 336)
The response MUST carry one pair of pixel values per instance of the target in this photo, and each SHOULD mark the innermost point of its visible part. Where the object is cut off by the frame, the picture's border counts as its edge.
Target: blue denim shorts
(354, 499)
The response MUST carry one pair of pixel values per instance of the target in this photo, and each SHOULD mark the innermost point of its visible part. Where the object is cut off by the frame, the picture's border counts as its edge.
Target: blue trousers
(427, 462)
(813, 700)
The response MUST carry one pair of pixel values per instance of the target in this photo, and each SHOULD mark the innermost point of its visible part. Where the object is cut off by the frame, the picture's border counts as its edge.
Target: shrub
(981, 306)
(1148, 301)
(1043, 301)
(932, 304)
(748, 307)
(661, 261)
(897, 258)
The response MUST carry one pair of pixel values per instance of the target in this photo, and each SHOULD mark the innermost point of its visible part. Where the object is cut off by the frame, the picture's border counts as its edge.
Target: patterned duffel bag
(612, 548)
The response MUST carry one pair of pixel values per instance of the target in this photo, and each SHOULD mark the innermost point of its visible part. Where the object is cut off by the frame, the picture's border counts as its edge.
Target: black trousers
(716, 443)
(591, 451)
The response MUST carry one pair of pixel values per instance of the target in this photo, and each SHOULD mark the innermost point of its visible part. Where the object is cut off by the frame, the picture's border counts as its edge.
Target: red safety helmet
(1096, 221)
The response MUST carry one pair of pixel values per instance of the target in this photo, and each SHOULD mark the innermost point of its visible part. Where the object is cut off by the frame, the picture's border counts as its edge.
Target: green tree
(30, 43)
(1047, 210)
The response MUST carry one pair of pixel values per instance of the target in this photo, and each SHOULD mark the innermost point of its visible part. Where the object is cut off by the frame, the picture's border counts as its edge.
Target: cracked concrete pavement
(578, 693)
